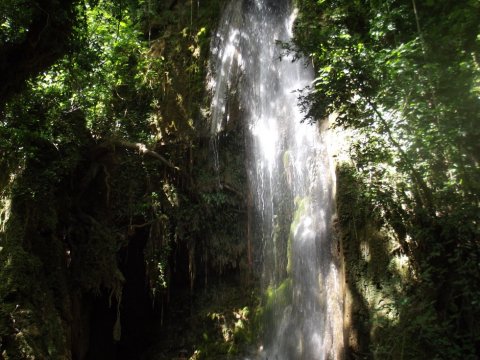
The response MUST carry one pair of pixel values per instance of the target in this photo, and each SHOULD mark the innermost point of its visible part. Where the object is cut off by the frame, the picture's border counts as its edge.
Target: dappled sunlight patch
(224, 324)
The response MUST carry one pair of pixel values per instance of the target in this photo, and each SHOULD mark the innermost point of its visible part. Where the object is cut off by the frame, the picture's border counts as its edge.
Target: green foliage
(33, 290)
(33, 36)
(376, 270)
(14, 21)
(227, 323)
(403, 77)
(213, 225)
(77, 184)
(60, 232)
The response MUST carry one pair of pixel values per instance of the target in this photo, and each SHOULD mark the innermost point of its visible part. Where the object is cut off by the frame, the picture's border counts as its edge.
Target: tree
(34, 34)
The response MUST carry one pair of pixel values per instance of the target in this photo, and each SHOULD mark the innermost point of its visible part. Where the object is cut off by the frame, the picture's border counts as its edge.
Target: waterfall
(291, 178)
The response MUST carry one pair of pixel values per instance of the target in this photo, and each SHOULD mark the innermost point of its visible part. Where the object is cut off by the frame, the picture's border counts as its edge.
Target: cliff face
(376, 273)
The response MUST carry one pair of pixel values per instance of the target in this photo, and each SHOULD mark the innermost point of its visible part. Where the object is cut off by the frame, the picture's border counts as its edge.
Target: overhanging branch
(144, 150)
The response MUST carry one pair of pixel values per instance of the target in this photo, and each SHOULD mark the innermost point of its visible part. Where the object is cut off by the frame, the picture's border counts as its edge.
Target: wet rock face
(272, 7)
(278, 7)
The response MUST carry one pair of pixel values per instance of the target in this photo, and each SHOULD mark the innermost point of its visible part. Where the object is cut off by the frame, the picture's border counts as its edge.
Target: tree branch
(142, 149)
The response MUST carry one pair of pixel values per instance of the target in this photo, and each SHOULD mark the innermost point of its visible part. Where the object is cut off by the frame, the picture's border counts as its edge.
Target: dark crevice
(136, 310)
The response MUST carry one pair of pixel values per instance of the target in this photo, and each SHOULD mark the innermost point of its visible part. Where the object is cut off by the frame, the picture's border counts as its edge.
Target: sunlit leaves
(15, 17)
(403, 76)
(372, 56)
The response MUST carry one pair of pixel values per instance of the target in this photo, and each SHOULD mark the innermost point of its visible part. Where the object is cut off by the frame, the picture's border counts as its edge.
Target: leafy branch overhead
(33, 36)
(142, 149)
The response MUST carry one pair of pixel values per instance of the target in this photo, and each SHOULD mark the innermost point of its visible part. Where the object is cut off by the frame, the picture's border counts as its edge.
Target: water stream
(291, 178)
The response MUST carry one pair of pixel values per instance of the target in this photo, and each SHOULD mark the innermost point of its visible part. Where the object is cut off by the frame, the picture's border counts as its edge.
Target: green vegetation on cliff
(104, 151)
(402, 78)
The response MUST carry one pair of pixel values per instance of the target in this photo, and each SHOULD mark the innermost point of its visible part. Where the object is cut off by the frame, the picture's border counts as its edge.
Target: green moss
(280, 295)
(274, 301)
(301, 206)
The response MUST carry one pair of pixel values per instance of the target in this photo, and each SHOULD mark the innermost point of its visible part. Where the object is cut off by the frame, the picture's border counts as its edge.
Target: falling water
(291, 179)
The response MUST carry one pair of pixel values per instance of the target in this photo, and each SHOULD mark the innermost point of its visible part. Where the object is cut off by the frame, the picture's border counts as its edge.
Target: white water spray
(291, 176)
